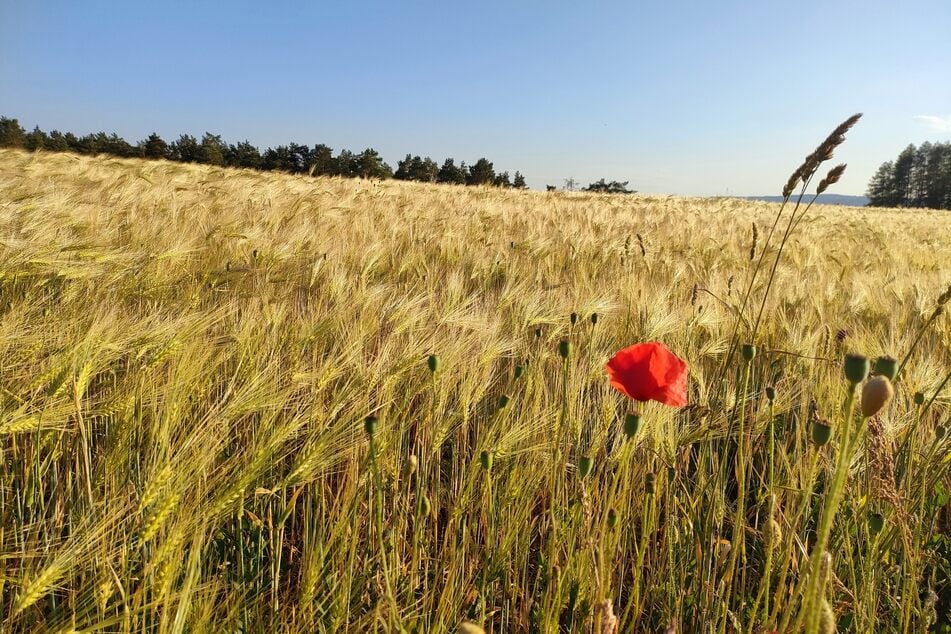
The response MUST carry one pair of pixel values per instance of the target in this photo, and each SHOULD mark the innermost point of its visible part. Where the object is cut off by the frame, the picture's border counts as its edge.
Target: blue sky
(684, 97)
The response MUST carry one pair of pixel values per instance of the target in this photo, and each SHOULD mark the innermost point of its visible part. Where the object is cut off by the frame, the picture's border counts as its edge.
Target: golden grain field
(188, 355)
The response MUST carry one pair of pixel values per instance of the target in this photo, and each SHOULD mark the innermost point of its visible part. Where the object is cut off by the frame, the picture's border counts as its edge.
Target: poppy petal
(649, 371)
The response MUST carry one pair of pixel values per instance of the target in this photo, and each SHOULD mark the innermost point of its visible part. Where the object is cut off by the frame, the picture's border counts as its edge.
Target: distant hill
(824, 199)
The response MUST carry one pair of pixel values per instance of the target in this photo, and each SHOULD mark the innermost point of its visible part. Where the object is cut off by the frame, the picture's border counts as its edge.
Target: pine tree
(213, 149)
(36, 140)
(451, 173)
(481, 173)
(881, 190)
(11, 134)
(154, 147)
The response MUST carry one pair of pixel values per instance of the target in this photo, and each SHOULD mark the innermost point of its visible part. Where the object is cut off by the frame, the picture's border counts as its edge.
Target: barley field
(236, 401)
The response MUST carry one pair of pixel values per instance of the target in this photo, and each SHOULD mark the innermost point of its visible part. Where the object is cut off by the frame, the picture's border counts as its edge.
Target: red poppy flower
(649, 372)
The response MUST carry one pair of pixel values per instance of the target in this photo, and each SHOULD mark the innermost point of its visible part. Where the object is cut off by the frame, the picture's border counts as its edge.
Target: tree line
(295, 158)
(918, 177)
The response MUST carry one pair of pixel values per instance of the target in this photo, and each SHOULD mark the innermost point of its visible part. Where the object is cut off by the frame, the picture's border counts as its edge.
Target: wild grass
(188, 357)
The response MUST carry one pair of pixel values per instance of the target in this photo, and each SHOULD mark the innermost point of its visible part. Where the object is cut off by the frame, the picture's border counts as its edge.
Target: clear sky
(684, 97)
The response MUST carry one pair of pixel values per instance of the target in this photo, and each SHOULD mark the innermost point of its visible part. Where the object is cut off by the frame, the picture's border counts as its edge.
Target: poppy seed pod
(370, 425)
(538, 333)
(919, 398)
(594, 319)
(876, 394)
(856, 368)
(876, 523)
(574, 318)
(564, 348)
(748, 351)
(821, 432)
(887, 366)
(940, 432)
(612, 518)
(649, 484)
(519, 370)
(504, 401)
(412, 463)
(585, 464)
(425, 506)
(486, 459)
(632, 422)
(433, 363)
(771, 393)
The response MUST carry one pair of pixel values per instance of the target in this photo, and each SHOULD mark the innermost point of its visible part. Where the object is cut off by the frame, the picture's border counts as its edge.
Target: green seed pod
(771, 393)
(887, 366)
(856, 368)
(821, 433)
(876, 523)
(486, 459)
(412, 463)
(425, 506)
(573, 318)
(433, 363)
(519, 371)
(538, 333)
(919, 398)
(632, 422)
(594, 319)
(612, 518)
(585, 464)
(370, 424)
(748, 351)
(504, 401)
(649, 484)
(940, 432)
(564, 348)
